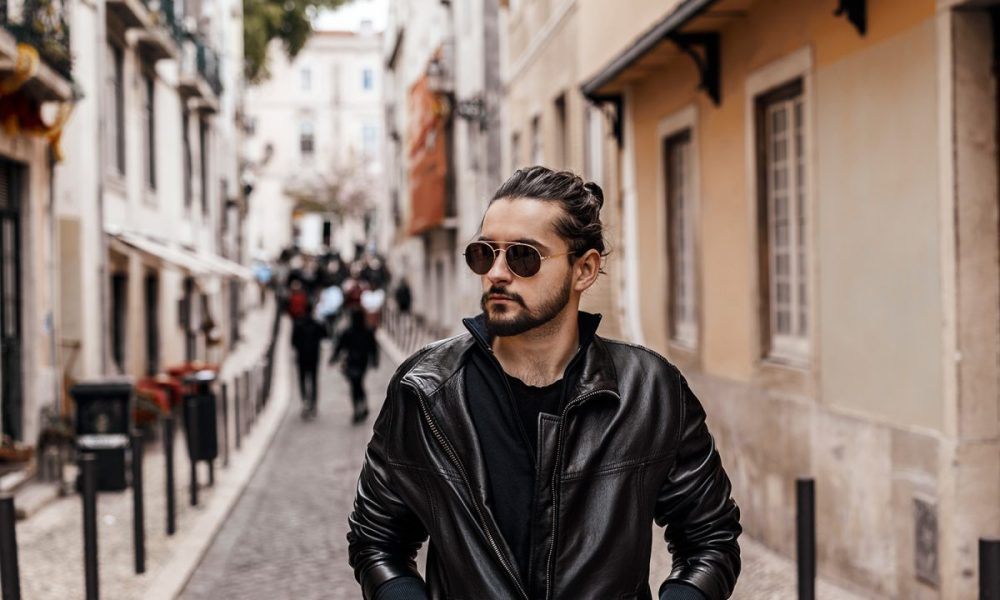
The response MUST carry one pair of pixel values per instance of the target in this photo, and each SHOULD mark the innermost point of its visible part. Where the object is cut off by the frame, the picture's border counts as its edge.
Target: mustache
(496, 291)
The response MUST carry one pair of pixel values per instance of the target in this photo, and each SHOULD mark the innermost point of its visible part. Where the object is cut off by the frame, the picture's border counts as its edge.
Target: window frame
(684, 340)
(788, 348)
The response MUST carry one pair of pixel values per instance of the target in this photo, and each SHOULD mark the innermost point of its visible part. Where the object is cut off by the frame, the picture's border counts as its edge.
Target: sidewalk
(766, 575)
(50, 543)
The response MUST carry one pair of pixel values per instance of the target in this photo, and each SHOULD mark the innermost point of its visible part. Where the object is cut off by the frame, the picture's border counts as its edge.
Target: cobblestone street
(286, 536)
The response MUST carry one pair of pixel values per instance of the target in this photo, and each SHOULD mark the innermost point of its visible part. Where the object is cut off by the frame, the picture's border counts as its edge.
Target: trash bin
(103, 416)
(199, 396)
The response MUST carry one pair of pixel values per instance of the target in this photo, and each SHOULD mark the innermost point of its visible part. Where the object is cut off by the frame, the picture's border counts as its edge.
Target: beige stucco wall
(543, 47)
(875, 222)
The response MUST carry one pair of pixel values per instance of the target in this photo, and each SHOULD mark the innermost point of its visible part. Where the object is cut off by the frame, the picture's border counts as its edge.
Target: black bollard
(989, 569)
(192, 431)
(225, 425)
(168, 453)
(237, 426)
(10, 578)
(805, 537)
(138, 518)
(88, 473)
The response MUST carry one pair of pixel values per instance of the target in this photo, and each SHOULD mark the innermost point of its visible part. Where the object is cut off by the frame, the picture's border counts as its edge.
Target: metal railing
(42, 24)
(208, 65)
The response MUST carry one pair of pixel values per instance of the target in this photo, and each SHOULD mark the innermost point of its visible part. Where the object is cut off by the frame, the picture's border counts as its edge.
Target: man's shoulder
(436, 360)
(628, 353)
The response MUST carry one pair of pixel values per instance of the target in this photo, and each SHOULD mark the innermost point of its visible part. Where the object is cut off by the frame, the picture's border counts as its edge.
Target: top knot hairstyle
(580, 223)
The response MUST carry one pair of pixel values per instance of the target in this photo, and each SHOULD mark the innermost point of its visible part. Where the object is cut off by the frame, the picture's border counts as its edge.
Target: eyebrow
(529, 241)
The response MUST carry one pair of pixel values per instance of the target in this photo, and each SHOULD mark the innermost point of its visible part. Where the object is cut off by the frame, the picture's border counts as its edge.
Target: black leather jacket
(630, 447)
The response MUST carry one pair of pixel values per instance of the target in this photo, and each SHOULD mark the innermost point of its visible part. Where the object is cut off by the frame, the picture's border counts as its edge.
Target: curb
(173, 576)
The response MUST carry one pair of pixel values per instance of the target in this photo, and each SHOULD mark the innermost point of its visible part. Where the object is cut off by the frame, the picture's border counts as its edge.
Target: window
(783, 222)
(678, 175)
(115, 129)
(536, 140)
(369, 140)
(367, 78)
(562, 145)
(119, 314)
(149, 129)
(188, 165)
(595, 144)
(203, 142)
(305, 79)
(515, 150)
(152, 293)
(306, 141)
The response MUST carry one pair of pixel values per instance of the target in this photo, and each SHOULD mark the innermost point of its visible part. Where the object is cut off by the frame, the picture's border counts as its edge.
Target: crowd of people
(328, 297)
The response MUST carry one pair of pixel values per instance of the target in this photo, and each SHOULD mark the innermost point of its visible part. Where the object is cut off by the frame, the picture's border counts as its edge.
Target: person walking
(307, 333)
(534, 454)
(358, 341)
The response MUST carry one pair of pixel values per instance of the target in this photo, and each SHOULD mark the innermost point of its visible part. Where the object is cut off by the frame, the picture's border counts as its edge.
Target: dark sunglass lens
(479, 257)
(523, 260)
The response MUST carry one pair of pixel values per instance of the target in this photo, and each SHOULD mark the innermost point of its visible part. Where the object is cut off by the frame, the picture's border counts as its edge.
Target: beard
(504, 322)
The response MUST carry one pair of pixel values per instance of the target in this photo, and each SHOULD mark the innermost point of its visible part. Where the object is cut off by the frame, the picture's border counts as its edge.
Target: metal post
(168, 453)
(249, 399)
(88, 471)
(237, 425)
(10, 578)
(192, 431)
(225, 425)
(138, 518)
(989, 569)
(805, 546)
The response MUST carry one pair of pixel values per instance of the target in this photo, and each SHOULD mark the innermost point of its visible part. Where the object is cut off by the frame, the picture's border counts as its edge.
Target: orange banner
(428, 159)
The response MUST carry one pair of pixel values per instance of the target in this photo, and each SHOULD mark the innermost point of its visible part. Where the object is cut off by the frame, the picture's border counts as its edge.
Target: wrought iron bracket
(856, 11)
(703, 48)
(617, 124)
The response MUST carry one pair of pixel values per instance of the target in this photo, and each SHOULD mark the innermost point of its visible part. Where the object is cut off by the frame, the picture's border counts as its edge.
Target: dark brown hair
(580, 224)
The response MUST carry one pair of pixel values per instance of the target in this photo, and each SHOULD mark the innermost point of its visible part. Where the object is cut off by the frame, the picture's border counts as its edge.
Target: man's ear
(586, 270)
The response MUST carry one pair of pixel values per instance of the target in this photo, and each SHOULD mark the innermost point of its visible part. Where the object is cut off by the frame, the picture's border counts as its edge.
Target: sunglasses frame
(507, 245)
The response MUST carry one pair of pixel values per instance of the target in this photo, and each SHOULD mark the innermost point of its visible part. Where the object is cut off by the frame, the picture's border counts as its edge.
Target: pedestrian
(307, 333)
(358, 341)
(534, 454)
(298, 300)
(404, 297)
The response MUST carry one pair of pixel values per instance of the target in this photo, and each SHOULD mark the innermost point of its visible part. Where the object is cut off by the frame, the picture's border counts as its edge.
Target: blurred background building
(316, 137)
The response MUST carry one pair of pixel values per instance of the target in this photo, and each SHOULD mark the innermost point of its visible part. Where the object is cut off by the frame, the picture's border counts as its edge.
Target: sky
(350, 16)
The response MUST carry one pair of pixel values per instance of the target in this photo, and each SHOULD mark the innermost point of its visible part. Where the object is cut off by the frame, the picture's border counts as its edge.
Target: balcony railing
(208, 66)
(167, 11)
(42, 24)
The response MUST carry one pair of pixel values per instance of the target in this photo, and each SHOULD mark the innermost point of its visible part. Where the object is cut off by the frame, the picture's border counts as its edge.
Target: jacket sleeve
(694, 503)
(384, 534)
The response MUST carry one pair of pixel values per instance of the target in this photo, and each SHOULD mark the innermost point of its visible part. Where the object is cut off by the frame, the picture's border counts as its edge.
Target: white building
(149, 189)
(444, 160)
(315, 145)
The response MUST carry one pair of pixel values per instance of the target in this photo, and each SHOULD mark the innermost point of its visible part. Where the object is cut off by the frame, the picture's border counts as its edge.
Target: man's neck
(540, 356)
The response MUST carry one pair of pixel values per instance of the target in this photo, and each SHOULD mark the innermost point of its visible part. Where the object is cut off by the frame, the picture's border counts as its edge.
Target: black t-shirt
(530, 401)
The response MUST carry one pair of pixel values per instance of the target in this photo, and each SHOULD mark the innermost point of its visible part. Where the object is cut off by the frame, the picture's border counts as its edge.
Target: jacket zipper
(556, 469)
(446, 446)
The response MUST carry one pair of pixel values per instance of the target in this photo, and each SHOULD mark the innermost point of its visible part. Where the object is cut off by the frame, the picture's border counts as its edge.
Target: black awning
(687, 10)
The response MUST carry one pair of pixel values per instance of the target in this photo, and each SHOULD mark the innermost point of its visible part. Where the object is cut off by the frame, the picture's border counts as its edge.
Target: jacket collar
(592, 361)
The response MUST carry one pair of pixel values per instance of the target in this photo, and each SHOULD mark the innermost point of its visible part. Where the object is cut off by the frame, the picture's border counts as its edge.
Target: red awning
(428, 159)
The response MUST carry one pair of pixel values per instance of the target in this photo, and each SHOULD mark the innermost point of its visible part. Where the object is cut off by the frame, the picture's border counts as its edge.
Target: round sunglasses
(523, 260)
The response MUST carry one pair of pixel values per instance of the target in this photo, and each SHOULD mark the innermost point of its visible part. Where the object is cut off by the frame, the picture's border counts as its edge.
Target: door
(11, 397)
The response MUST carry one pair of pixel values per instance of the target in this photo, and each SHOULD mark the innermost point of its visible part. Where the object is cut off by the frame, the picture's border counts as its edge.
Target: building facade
(36, 99)
(550, 122)
(316, 145)
(810, 208)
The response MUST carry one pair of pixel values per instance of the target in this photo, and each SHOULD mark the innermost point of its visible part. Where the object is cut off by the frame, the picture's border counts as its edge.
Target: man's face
(512, 304)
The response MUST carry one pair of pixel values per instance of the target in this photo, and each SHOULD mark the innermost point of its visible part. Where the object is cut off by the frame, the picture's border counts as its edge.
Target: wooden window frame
(782, 348)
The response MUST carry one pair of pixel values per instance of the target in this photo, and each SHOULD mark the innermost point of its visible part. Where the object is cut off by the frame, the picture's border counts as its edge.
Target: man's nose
(499, 272)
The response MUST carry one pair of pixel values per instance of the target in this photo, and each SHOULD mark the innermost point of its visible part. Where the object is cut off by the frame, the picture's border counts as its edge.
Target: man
(307, 334)
(534, 454)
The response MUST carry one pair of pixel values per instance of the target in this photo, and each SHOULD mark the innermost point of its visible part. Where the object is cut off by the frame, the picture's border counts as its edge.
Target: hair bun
(595, 191)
